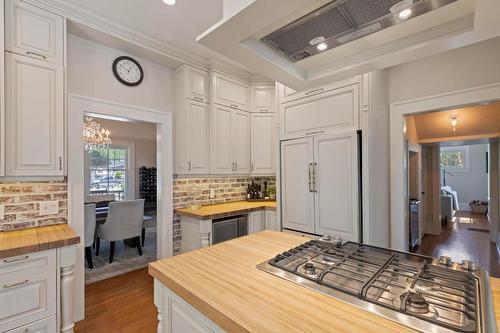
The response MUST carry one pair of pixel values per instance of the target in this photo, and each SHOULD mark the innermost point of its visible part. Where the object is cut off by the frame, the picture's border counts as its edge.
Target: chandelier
(94, 136)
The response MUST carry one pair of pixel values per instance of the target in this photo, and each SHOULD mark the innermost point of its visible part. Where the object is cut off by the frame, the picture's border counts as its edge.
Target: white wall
(90, 74)
(473, 183)
(471, 66)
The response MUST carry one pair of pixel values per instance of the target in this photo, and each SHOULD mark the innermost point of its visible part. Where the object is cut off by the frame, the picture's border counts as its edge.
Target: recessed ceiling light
(322, 46)
(405, 13)
(169, 2)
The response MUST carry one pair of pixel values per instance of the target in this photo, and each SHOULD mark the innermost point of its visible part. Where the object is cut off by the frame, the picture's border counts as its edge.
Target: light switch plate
(49, 208)
(2, 212)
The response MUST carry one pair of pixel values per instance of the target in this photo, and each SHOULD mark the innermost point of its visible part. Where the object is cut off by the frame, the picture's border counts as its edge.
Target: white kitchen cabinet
(297, 197)
(47, 325)
(230, 92)
(319, 180)
(263, 147)
(34, 32)
(336, 185)
(230, 141)
(263, 99)
(256, 221)
(34, 117)
(193, 83)
(272, 220)
(334, 111)
(288, 94)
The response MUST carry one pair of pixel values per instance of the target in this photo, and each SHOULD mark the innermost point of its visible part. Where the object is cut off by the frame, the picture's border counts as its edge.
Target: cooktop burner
(424, 293)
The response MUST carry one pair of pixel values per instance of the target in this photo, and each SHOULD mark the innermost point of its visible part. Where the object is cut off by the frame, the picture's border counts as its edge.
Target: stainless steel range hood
(343, 21)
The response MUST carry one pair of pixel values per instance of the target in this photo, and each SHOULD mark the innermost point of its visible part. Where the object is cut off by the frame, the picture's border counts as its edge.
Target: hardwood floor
(457, 242)
(120, 304)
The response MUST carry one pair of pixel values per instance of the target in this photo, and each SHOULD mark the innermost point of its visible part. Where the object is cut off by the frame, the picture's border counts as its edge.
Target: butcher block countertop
(223, 283)
(20, 242)
(209, 212)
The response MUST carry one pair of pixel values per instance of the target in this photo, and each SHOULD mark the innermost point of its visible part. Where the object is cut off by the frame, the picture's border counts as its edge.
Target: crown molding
(104, 24)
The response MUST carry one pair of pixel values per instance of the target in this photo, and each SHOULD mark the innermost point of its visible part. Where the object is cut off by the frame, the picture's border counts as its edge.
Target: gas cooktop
(424, 293)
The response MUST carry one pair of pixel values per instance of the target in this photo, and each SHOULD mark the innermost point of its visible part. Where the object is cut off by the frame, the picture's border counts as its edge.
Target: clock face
(128, 71)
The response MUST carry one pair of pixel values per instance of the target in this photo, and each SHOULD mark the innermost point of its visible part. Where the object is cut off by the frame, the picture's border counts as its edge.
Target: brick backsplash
(188, 191)
(22, 204)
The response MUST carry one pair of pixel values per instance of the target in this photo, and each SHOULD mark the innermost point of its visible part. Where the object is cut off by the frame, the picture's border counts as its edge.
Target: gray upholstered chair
(149, 222)
(89, 216)
(124, 221)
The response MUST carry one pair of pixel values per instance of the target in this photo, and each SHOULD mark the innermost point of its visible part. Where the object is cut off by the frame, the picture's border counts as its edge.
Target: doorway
(79, 106)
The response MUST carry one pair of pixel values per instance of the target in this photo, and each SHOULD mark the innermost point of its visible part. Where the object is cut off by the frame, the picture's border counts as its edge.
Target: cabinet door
(241, 128)
(222, 141)
(297, 197)
(198, 138)
(231, 92)
(271, 220)
(263, 99)
(257, 221)
(183, 321)
(263, 143)
(33, 32)
(328, 112)
(34, 117)
(336, 185)
(197, 85)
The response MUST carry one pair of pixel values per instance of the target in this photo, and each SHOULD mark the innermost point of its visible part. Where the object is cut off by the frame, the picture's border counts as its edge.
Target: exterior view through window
(109, 172)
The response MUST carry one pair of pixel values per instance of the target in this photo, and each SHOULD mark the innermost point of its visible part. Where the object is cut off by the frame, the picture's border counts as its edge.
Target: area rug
(126, 259)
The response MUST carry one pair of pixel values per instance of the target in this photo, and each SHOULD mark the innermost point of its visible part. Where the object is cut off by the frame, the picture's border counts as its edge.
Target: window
(109, 171)
(455, 158)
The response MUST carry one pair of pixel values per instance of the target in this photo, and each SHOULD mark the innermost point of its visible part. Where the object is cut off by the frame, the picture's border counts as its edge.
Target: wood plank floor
(457, 242)
(120, 304)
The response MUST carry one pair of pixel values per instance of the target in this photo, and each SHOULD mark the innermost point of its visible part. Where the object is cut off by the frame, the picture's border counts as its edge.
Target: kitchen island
(219, 288)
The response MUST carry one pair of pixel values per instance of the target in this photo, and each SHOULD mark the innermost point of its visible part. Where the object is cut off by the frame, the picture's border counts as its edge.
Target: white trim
(78, 106)
(398, 181)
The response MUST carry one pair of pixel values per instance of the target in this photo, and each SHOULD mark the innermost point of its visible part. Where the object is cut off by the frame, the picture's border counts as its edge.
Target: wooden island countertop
(209, 212)
(223, 283)
(20, 242)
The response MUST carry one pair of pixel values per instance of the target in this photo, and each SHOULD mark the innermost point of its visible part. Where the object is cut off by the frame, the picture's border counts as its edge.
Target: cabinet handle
(8, 261)
(264, 110)
(8, 286)
(36, 54)
(189, 166)
(235, 166)
(251, 167)
(310, 178)
(60, 163)
(314, 177)
(316, 132)
(315, 91)
(196, 98)
(234, 106)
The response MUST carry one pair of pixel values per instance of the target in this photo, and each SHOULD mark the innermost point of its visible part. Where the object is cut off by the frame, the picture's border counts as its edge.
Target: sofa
(449, 203)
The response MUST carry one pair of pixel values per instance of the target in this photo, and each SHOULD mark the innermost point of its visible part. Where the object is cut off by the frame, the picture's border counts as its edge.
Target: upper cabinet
(263, 99)
(33, 32)
(192, 135)
(330, 111)
(34, 117)
(230, 92)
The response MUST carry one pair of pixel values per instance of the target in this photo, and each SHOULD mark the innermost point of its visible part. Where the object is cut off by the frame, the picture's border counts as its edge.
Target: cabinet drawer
(41, 261)
(333, 111)
(47, 325)
(27, 291)
(33, 32)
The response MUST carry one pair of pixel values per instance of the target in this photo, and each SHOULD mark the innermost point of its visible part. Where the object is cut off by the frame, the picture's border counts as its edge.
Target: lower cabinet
(256, 221)
(272, 220)
(47, 325)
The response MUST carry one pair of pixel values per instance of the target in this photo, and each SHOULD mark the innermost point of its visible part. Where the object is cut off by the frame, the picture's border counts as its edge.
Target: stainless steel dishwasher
(227, 228)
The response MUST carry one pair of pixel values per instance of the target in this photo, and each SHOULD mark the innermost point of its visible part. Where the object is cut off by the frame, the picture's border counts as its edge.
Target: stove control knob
(445, 260)
(468, 265)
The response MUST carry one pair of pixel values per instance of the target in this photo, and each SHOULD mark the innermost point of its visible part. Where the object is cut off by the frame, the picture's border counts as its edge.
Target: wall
(472, 184)
(90, 74)
(22, 203)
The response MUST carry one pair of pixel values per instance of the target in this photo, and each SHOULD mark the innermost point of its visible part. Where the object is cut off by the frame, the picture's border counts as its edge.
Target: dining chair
(148, 222)
(89, 234)
(124, 221)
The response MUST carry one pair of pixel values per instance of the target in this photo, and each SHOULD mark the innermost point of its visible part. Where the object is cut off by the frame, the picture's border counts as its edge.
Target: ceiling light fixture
(403, 9)
(169, 2)
(405, 13)
(322, 46)
(454, 121)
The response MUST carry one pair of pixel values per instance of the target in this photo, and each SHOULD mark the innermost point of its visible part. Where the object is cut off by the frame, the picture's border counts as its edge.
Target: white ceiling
(176, 25)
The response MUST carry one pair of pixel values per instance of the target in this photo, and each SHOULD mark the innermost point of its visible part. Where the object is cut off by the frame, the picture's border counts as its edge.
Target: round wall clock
(128, 71)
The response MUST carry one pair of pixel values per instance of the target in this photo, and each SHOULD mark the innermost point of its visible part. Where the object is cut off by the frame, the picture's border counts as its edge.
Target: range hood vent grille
(340, 22)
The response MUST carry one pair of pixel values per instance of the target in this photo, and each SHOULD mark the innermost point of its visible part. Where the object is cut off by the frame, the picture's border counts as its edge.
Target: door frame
(398, 162)
(78, 107)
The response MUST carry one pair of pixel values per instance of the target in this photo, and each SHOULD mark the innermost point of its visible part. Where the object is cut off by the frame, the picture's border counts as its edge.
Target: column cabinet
(320, 185)
(192, 150)
(34, 94)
